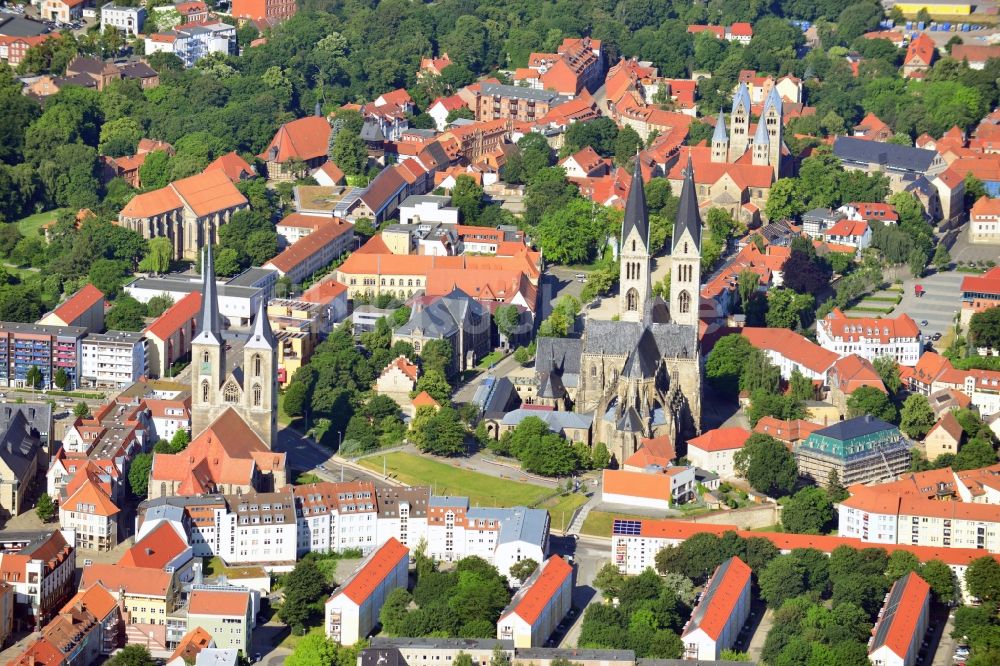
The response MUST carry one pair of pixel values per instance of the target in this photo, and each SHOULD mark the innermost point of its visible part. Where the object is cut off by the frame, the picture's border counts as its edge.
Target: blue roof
(760, 136)
(720, 135)
(742, 98)
(854, 428)
(773, 99)
(448, 501)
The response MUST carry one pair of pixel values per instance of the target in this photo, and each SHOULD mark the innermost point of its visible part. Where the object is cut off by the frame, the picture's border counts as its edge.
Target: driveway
(938, 306)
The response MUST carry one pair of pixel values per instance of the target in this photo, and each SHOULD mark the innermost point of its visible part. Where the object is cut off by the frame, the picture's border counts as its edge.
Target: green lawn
(561, 508)
(599, 523)
(293, 639)
(29, 226)
(490, 359)
(449, 479)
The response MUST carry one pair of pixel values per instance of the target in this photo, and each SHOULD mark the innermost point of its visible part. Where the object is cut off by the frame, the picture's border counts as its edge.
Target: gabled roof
(655, 485)
(305, 139)
(177, 315)
(375, 569)
(235, 167)
(792, 346)
(985, 207)
(215, 602)
(894, 156)
(96, 599)
(133, 580)
(156, 550)
(921, 51)
(721, 439)
(404, 365)
(424, 399)
(78, 303)
(900, 615)
(720, 598)
(209, 192)
(193, 642)
(539, 590)
(91, 494)
(950, 425)
(657, 451)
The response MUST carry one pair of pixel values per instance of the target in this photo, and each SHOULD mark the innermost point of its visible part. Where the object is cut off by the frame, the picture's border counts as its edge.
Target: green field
(561, 508)
(450, 479)
(29, 226)
(599, 523)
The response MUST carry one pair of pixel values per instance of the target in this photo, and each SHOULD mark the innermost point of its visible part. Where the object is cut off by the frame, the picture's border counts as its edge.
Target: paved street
(941, 644)
(589, 554)
(964, 251)
(939, 304)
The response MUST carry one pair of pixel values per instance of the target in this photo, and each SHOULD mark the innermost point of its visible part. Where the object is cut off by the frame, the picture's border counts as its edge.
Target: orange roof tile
(651, 485)
(149, 204)
(883, 329)
(852, 372)
(424, 399)
(40, 653)
(539, 589)
(791, 345)
(721, 439)
(910, 593)
(985, 207)
(193, 642)
(213, 602)
(323, 292)
(89, 493)
(133, 580)
(404, 365)
(786, 430)
(209, 192)
(949, 424)
(156, 549)
(653, 451)
(97, 599)
(306, 247)
(373, 571)
(235, 167)
(305, 139)
(719, 600)
(177, 315)
(920, 51)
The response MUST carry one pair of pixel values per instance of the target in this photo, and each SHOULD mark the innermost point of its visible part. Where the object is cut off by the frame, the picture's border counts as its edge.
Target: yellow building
(296, 326)
(148, 595)
(935, 8)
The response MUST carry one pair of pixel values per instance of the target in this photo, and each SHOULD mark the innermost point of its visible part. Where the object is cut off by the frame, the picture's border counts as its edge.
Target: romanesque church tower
(740, 120)
(250, 390)
(634, 280)
(685, 256)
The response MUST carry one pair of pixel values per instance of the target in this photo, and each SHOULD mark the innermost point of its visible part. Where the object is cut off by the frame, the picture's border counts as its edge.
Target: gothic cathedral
(251, 389)
(637, 375)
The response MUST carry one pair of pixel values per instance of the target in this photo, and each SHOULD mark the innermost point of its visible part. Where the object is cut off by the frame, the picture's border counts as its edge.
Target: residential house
(790, 351)
(125, 19)
(870, 212)
(944, 438)
(332, 238)
(653, 489)
(115, 359)
(298, 146)
(790, 431)
(585, 163)
(433, 66)
(920, 55)
(380, 200)
(860, 450)
(89, 510)
(398, 380)
(721, 611)
(227, 615)
(268, 11)
(899, 632)
(848, 374)
(539, 605)
(984, 221)
(871, 338)
(850, 233)
(654, 451)
(976, 55)
(872, 128)
(352, 611)
(716, 449)
(61, 11)
(442, 107)
(498, 101)
(188, 212)
(41, 569)
(193, 41)
(84, 308)
(53, 350)
(22, 458)
(147, 595)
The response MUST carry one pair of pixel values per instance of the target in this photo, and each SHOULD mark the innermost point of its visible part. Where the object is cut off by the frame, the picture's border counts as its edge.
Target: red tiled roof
(741, 29)
(323, 292)
(156, 549)
(653, 451)
(721, 439)
(987, 283)
(975, 53)
(404, 365)
(424, 399)
(90, 493)
(721, 598)
(134, 580)
(373, 571)
(78, 303)
(211, 602)
(949, 424)
(535, 595)
(852, 329)
(650, 485)
(209, 192)
(920, 51)
(177, 315)
(985, 207)
(305, 139)
(98, 600)
(152, 203)
(303, 249)
(903, 617)
(40, 653)
(852, 372)
(235, 167)
(193, 642)
(792, 346)
(786, 430)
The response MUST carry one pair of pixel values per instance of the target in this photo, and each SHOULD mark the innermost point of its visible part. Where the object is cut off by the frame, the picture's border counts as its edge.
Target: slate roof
(445, 316)
(556, 421)
(636, 213)
(497, 89)
(854, 428)
(903, 158)
(688, 217)
(18, 450)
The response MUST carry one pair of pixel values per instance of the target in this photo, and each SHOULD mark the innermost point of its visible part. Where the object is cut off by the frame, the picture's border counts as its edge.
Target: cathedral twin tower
(765, 146)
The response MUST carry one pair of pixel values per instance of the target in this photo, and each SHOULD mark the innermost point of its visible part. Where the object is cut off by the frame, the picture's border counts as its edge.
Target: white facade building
(427, 208)
(115, 359)
(257, 528)
(901, 624)
(716, 450)
(352, 611)
(191, 43)
(871, 338)
(724, 606)
(237, 303)
(539, 606)
(126, 19)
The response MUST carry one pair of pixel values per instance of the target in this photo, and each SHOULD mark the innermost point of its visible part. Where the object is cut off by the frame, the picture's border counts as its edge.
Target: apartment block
(352, 611)
(902, 623)
(870, 338)
(335, 516)
(314, 251)
(721, 611)
(48, 348)
(115, 359)
(228, 616)
(514, 102)
(41, 569)
(539, 606)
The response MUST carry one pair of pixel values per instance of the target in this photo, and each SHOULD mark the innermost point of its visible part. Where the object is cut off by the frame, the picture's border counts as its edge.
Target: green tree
(180, 440)
(350, 153)
(941, 258)
(783, 579)
(507, 318)
(888, 370)
(759, 374)
(304, 588)
(438, 431)
(436, 385)
(726, 362)
(81, 410)
(108, 275)
(801, 387)
(609, 581)
(467, 197)
(600, 458)
(437, 355)
(809, 511)
(61, 379)
(786, 308)
(916, 417)
(132, 655)
(128, 314)
(627, 143)
(982, 578)
(138, 474)
(784, 201)
(158, 304)
(155, 170)
(747, 283)
(523, 569)
(834, 488)
(120, 137)
(45, 508)
(33, 377)
(767, 465)
(570, 234)
(941, 579)
(867, 400)
(984, 328)
(976, 453)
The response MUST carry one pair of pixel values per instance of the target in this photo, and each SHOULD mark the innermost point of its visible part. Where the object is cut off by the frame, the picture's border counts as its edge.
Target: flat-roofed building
(352, 611)
(114, 359)
(902, 623)
(720, 613)
(48, 348)
(539, 606)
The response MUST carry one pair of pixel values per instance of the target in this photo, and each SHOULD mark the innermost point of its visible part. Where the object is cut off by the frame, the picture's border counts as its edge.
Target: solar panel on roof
(627, 527)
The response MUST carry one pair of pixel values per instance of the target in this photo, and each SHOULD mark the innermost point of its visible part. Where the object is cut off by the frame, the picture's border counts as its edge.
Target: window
(205, 358)
(256, 395)
(632, 300)
(685, 302)
(204, 391)
(256, 364)
(231, 393)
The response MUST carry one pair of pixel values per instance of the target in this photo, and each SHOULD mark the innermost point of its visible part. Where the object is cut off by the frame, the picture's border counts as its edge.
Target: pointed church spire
(721, 134)
(773, 101)
(760, 137)
(742, 98)
(261, 336)
(688, 216)
(636, 215)
(208, 320)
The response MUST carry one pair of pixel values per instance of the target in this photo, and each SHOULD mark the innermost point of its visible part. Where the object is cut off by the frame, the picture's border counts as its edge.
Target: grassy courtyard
(450, 479)
(599, 523)
(29, 226)
(561, 509)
